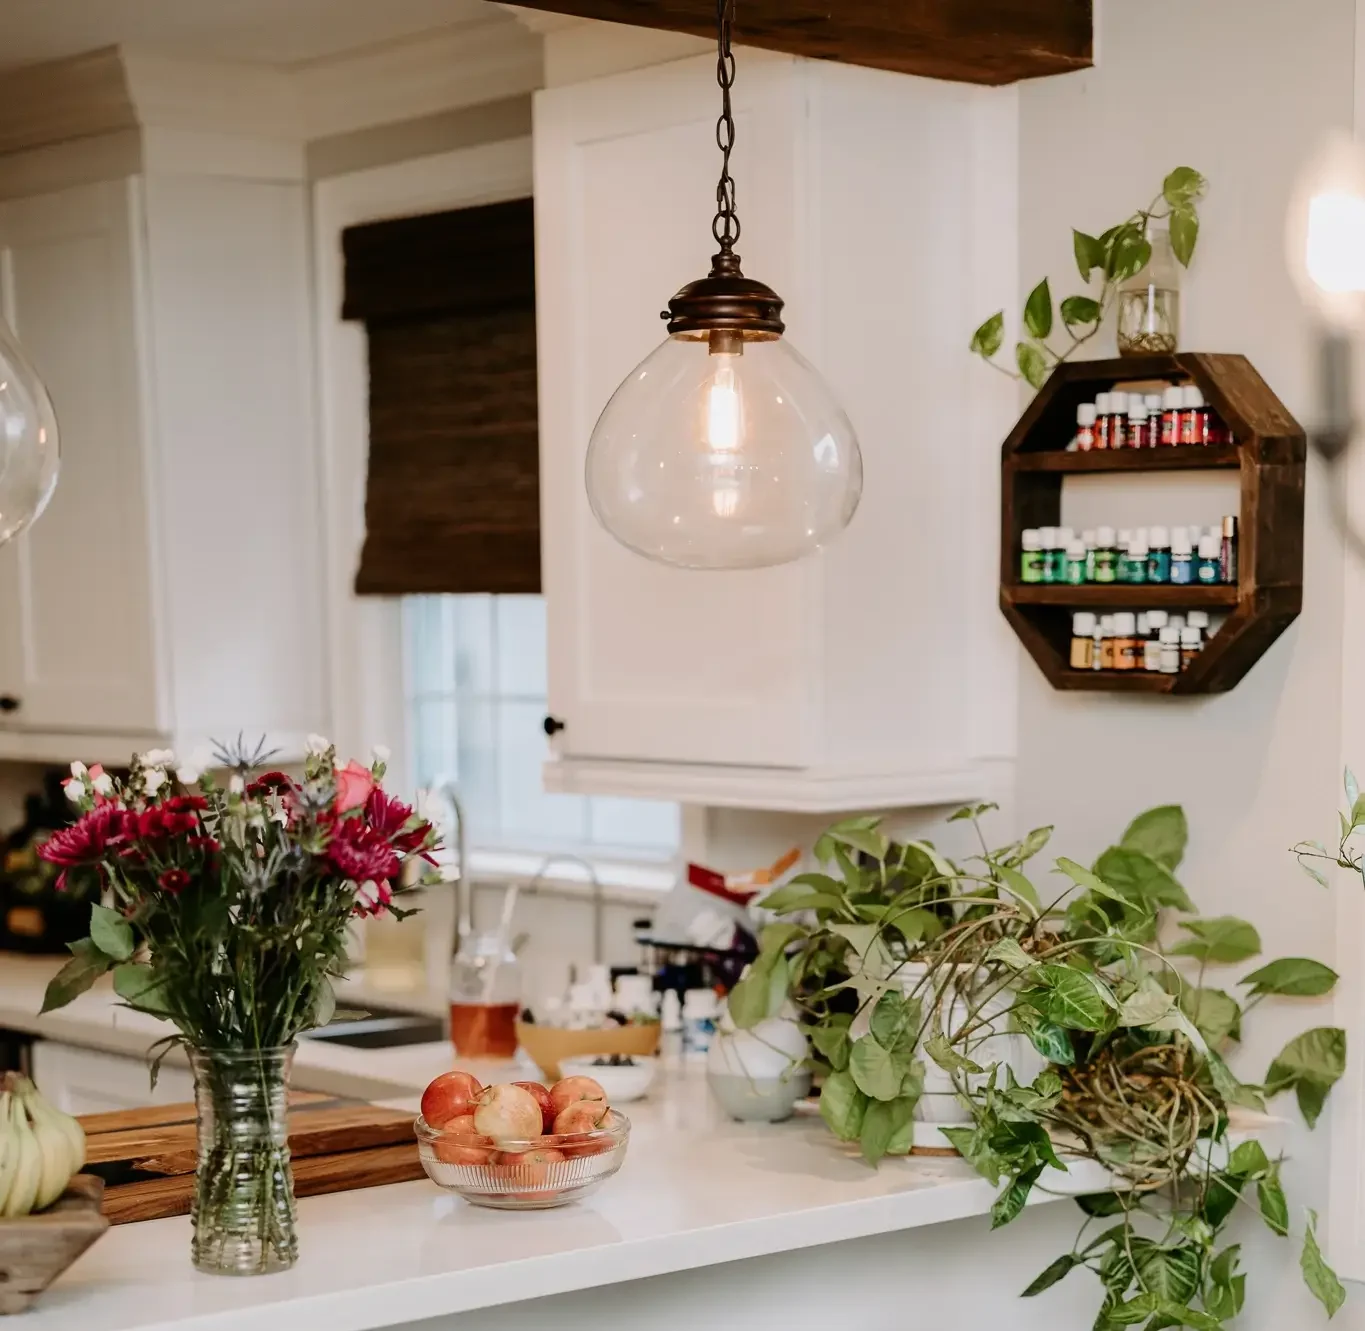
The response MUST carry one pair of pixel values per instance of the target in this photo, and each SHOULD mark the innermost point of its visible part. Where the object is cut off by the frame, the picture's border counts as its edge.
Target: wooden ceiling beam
(967, 41)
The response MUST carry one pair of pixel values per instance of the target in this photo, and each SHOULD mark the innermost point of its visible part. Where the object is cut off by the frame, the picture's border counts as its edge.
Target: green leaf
(1101, 1203)
(1030, 846)
(1172, 1274)
(1351, 785)
(1298, 977)
(1078, 311)
(1311, 1063)
(895, 1020)
(1223, 1267)
(843, 1106)
(142, 988)
(1223, 939)
(86, 966)
(1020, 888)
(1047, 1037)
(1082, 877)
(987, 339)
(1184, 234)
(1227, 1085)
(834, 1045)
(914, 925)
(1274, 1208)
(1011, 1200)
(1067, 996)
(1182, 186)
(876, 1071)
(882, 1122)
(1249, 1160)
(1215, 1014)
(1148, 1003)
(1221, 1196)
(972, 1145)
(1226, 1298)
(1008, 952)
(1137, 1309)
(865, 839)
(948, 1058)
(1032, 363)
(750, 1001)
(1161, 833)
(111, 933)
(1059, 1269)
(1177, 1314)
(1317, 1275)
(1089, 253)
(1140, 877)
(1038, 311)
(1131, 253)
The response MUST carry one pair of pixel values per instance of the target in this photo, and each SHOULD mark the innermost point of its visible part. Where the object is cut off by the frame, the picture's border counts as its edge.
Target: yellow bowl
(549, 1046)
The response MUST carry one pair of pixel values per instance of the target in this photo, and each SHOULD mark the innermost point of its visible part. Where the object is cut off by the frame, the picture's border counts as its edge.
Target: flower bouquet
(227, 916)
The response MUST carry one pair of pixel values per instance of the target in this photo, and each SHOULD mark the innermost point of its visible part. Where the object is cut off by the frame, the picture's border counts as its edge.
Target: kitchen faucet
(597, 903)
(464, 884)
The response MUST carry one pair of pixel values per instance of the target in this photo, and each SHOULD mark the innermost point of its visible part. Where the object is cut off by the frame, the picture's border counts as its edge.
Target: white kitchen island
(706, 1218)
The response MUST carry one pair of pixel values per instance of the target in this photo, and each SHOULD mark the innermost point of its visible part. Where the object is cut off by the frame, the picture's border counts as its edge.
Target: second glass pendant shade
(724, 450)
(28, 440)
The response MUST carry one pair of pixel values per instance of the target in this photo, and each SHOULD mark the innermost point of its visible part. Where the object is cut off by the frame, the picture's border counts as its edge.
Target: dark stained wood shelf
(1125, 595)
(1269, 459)
(1131, 459)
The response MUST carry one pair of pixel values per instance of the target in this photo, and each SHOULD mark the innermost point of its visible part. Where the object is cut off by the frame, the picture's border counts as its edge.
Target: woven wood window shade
(452, 495)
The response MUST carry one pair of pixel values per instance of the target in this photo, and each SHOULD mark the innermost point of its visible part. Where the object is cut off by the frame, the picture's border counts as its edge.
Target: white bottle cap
(1177, 622)
(1104, 537)
(1107, 626)
(1088, 536)
(1101, 404)
(1137, 548)
(1156, 619)
(700, 1004)
(1075, 550)
(1198, 619)
(1172, 397)
(1143, 626)
(1085, 414)
(1083, 624)
(1170, 636)
(1125, 538)
(1159, 537)
(1065, 536)
(1118, 402)
(1125, 624)
(1153, 401)
(1191, 397)
(1137, 409)
(1049, 537)
(1140, 534)
(1180, 541)
(1032, 539)
(1209, 547)
(1189, 638)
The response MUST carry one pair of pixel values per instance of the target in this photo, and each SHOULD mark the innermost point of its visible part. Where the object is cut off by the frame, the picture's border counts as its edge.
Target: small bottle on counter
(1088, 538)
(699, 1012)
(1208, 568)
(1118, 419)
(1085, 427)
(1151, 644)
(1194, 416)
(1102, 420)
(1171, 401)
(1031, 560)
(1047, 537)
(1170, 651)
(1227, 550)
(1106, 555)
(1159, 556)
(1075, 563)
(1182, 557)
(1190, 646)
(1125, 641)
(1137, 422)
(1083, 640)
(670, 1026)
(1106, 642)
(1133, 561)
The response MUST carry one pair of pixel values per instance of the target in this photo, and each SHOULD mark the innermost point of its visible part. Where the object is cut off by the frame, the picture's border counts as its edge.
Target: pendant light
(724, 448)
(28, 440)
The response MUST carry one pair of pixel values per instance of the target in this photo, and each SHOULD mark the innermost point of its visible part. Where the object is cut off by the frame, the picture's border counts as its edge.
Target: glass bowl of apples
(519, 1146)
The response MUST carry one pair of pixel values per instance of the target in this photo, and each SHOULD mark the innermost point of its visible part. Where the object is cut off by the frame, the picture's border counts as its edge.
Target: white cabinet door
(648, 662)
(88, 1081)
(76, 623)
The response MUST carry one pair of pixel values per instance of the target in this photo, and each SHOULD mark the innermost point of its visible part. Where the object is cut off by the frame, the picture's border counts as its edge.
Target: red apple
(581, 1116)
(449, 1096)
(530, 1169)
(508, 1113)
(542, 1094)
(573, 1089)
(461, 1144)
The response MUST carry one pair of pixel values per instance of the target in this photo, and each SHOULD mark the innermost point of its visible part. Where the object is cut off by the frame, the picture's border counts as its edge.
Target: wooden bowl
(550, 1045)
(36, 1249)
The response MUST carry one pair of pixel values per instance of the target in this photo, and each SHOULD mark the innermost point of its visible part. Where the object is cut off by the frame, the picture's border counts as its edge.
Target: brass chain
(725, 226)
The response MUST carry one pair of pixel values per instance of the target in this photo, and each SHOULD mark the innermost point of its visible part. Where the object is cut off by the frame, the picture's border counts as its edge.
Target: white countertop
(696, 1189)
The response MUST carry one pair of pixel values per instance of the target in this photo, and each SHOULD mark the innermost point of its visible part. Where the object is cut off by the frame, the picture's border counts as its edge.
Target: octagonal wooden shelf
(1268, 454)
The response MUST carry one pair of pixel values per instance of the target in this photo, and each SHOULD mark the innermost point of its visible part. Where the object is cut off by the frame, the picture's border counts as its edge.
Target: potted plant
(1131, 1070)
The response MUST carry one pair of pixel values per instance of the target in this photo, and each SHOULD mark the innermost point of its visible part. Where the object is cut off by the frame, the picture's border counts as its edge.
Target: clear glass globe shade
(28, 440)
(716, 459)
(1325, 232)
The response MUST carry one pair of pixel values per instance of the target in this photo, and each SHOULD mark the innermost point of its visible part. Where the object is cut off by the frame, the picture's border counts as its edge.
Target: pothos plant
(1117, 254)
(896, 955)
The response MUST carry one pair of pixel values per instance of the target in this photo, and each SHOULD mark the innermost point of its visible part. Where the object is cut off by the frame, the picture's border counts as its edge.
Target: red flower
(204, 843)
(98, 834)
(372, 898)
(359, 853)
(268, 782)
(160, 821)
(174, 881)
(181, 803)
(354, 784)
(389, 817)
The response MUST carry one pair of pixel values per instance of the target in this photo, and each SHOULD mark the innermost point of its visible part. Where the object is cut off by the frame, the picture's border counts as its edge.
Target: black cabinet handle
(553, 725)
(8, 703)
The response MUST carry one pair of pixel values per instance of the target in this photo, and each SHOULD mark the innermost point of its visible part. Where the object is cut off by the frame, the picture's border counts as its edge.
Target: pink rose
(354, 784)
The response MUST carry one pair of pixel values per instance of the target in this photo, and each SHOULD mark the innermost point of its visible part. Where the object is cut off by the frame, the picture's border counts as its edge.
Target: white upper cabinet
(881, 208)
(171, 593)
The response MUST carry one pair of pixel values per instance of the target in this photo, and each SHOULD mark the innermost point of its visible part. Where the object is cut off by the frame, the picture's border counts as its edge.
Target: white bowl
(622, 1082)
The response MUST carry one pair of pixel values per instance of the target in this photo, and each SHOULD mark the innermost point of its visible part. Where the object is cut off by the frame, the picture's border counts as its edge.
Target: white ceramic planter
(759, 1074)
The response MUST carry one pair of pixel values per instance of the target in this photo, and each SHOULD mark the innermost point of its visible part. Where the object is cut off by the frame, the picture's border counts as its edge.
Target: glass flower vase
(243, 1212)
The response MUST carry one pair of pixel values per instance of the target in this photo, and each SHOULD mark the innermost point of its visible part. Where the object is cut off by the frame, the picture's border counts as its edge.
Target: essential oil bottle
(1125, 641)
(1182, 557)
(1170, 651)
(1085, 427)
(1102, 420)
(1133, 561)
(1208, 569)
(1047, 537)
(1088, 537)
(1171, 401)
(1151, 646)
(1227, 551)
(1075, 563)
(1063, 537)
(1137, 422)
(1118, 419)
(1031, 558)
(1083, 640)
(1159, 556)
(1106, 555)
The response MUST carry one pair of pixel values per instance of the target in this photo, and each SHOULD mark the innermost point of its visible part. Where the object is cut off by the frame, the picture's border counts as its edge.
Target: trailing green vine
(1117, 254)
(908, 967)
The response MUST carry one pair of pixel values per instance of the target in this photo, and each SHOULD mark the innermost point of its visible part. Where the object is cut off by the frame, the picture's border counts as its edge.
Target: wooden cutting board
(147, 1156)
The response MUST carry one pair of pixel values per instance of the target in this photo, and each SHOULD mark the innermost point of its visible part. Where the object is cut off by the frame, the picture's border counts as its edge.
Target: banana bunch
(40, 1148)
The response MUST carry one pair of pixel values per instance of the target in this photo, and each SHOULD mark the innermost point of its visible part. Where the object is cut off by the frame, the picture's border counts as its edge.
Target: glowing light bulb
(723, 409)
(1325, 233)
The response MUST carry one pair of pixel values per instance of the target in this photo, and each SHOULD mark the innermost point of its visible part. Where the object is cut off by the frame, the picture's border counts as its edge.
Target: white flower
(432, 808)
(236, 784)
(103, 784)
(380, 754)
(75, 791)
(153, 779)
(318, 744)
(368, 895)
(157, 758)
(188, 775)
(78, 770)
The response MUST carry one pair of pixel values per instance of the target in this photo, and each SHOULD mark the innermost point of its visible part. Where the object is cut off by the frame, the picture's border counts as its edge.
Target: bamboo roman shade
(452, 496)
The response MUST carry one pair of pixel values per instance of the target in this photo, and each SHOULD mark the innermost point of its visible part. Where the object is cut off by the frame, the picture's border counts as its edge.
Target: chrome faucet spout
(464, 882)
(598, 946)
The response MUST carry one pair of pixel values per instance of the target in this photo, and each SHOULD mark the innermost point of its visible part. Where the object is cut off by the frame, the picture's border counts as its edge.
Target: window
(476, 668)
